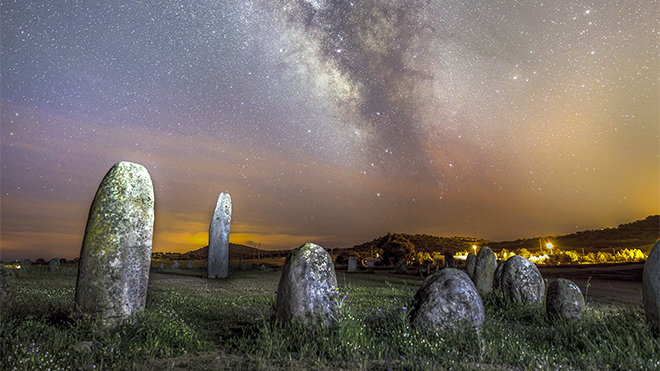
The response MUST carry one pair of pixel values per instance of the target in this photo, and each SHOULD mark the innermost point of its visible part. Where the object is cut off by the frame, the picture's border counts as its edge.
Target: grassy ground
(191, 323)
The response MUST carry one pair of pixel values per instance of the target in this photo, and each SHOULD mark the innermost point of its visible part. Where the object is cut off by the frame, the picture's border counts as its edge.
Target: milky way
(331, 122)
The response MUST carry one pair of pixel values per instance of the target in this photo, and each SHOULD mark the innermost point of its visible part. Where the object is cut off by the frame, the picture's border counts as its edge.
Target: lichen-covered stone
(26, 264)
(651, 287)
(54, 265)
(521, 281)
(115, 256)
(450, 261)
(484, 270)
(7, 279)
(446, 300)
(307, 287)
(564, 300)
(218, 259)
(352, 264)
(470, 262)
(191, 264)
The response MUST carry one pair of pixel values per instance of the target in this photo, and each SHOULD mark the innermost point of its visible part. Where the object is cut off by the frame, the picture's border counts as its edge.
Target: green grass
(194, 323)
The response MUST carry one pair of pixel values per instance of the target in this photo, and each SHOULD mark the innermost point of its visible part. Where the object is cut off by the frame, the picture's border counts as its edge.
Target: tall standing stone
(470, 262)
(651, 287)
(54, 265)
(218, 260)
(191, 264)
(484, 270)
(352, 264)
(307, 287)
(116, 252)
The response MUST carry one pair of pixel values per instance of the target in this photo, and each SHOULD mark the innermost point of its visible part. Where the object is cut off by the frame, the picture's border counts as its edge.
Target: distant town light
(549, 246)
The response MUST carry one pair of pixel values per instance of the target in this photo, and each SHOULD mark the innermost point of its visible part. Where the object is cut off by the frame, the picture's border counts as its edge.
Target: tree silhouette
(396, 247)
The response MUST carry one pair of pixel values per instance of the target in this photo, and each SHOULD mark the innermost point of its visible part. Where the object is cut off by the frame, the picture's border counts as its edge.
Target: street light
(475, 249)
(549, 246)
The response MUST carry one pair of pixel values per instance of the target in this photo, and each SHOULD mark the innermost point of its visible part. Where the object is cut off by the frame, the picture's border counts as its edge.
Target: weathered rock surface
(26, 264)
(484, 270)
(54, 265)
(651, 287)
(352, 264)
(446, 300)
(450, 262)
(521, 281)
(218, 259)
(564, 300)
(470, 262)
(7, 279)
(115, 256)
(307, 287)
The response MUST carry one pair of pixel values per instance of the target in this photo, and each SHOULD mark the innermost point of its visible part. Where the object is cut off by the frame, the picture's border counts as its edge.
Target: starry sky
(331, 122)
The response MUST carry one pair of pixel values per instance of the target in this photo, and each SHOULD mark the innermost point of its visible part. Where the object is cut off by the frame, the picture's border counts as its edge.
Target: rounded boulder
(307, 287)
(446, 300)
(521, 281)
(564, 300)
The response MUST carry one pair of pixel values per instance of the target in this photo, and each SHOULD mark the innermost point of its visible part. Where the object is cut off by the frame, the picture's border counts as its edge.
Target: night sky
(331, 122)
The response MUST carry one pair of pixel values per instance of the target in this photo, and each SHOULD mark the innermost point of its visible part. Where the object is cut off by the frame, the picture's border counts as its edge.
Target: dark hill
(641, 234)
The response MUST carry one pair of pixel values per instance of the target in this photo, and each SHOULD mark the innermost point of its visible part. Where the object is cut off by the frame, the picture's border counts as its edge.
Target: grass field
(191, 323)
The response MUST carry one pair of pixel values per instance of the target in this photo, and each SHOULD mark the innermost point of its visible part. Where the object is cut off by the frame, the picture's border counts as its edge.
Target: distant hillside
(641, 234)
(236, 251)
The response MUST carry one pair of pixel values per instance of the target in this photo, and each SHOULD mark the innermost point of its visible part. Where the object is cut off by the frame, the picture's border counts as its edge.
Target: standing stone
(352, 264)
(521, 281)
(54, 265)
(401, 267)
(176, 265)
(484, 270)
(445, 300)
(651, 287)
(307, 287)
(116, 252)
(7, 279)
(497, 276)
(470, 262)
(218, 258)
(26, 264)
(245, 266)
(191, 264)
(450, 262)
(161, 266)
(564, 300)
